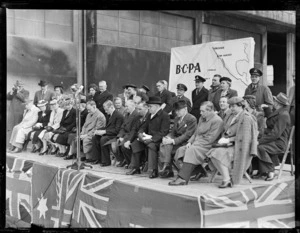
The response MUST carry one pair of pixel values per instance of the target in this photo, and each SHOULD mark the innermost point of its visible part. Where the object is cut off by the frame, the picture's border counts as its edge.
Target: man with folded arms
(114, 120)
(185, 125)
(151, 133)
(124, 154)
(209, 128)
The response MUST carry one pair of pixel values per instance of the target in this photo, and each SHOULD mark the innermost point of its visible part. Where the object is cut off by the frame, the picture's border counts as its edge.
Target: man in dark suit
(103, 96)
(145, 89)
(199, 95)
(165, 96)
(151, 133)
(224, 90)
(137, 147)
(185, 125)
(215, 85)
(114, 121)
(124, 153)
(181, 89)
(132, 90)
(43, 94)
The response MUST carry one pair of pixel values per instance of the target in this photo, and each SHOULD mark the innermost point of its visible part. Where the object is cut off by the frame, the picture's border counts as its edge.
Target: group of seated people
(141, 135)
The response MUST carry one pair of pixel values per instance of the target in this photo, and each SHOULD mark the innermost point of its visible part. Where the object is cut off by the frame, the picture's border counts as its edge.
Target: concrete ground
(194, 189)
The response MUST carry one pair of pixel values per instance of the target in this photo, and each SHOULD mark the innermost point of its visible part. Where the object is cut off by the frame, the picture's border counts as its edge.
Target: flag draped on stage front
(231, 58)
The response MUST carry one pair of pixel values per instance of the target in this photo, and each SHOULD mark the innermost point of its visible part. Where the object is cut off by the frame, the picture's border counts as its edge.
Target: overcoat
(100, 98)
(41, 119)
(208, 130)
(113, 123)
(127, 126)
(47, 96)
(217, 96)
(68, 122)
(198, 100)
(166, 97)
(176, 98)
(212, 92)
(16, 108)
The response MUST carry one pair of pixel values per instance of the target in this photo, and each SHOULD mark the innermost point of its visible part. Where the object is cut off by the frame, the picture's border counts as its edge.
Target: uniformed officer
(263, 94)
(181, 89)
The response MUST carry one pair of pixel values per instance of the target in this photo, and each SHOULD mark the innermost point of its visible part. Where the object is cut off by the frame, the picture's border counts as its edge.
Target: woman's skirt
(224, 155)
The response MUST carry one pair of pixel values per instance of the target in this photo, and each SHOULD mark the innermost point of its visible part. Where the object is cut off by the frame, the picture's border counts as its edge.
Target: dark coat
(166, 97)
(41, 119)
(217, 97)
(127, 126)
(198, 100)
(114, 123)
(142, 95)
(68, 122)
(16, 107)
(158, 126)
(187, 100)
(47, 96)
(212, 92)
(83, 116)
(100, 98)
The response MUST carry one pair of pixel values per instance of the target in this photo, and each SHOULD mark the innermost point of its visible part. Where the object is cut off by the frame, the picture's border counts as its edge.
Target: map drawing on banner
(232, 58)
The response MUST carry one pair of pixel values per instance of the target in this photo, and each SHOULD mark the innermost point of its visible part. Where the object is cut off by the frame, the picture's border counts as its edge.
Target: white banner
(232, 58)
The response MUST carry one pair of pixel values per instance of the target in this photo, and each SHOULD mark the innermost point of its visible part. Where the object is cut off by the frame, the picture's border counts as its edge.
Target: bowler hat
(43, 83)
(42, 103)
(181, 86)
(225, 79)
(145, 88)
(130, 85)
(281, 98)
(180, 104)
(154, 100)
(235, 100)
(255, 71)
(198, 78)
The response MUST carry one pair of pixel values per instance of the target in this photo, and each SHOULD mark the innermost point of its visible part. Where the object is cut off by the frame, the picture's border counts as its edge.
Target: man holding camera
(16, 109)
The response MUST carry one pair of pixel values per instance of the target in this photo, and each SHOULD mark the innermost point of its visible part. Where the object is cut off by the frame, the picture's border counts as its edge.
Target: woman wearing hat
(93, 92)
(250, 104)
(238, 144)
(274, 140)
(42, 122)
(225, 90)
(43, 94)
(16, 108)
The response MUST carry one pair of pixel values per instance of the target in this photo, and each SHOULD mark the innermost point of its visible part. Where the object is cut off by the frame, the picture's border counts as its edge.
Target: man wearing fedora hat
(263, 94)
(16, 108)
(199, 95)
(43, 94)
(184, 127)
(151, 133)
(274, 140)
(181, 89)
(21, 130)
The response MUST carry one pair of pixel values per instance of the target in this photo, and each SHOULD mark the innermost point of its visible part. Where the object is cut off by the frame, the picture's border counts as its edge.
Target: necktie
(197, 91)
(253, 86)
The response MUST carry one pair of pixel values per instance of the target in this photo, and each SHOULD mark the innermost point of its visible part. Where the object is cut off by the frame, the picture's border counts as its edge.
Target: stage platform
(192, 200)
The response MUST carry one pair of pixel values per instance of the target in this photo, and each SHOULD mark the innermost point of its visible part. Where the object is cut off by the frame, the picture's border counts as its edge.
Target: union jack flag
(90, 208)
(18, 188)
(259, 207)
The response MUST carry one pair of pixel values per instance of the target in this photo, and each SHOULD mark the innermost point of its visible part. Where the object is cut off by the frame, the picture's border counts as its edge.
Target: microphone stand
(77, 165)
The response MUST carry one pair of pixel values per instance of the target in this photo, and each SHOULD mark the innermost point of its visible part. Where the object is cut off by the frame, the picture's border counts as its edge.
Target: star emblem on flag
(42, 208)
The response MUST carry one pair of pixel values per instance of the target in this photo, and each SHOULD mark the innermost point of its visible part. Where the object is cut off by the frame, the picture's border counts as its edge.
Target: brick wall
(149, 30)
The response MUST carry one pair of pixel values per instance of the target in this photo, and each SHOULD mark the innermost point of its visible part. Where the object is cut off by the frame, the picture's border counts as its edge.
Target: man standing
(124, 96)
(263, 94)
(20, 131)
(199, 95)
(103, 96)
(124, 153)
(215, 85)
(145, 89)
(114, 121)
(181, 89)
(185, 125)
(43, 94)
(132, 90)
(209, 128)
(151, 133)
(17, 95)
(165, 96)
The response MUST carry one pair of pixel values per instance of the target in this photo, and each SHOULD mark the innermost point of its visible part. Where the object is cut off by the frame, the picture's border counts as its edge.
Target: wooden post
(264, 57)
(290, 60)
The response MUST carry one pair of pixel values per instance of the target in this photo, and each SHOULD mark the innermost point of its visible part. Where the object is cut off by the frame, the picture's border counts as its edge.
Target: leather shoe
(121, 164)
(90, 160)
(270, 176)
(153, 174)
(226, 184)
(16, 150)
(178, 181)
(68, 157)
(82, 159)
(166, 173)
(95, 162)
(134, 171)
(198, 176)
(105, 164)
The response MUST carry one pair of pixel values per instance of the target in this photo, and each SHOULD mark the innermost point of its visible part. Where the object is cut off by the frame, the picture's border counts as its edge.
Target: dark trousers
(96, 148)
(105, 150)
(126, 153)
(262, 166)
(152, 149)
(187, 170)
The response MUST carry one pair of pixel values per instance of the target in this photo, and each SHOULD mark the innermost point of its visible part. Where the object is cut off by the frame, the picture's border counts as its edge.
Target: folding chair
(288, 149)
